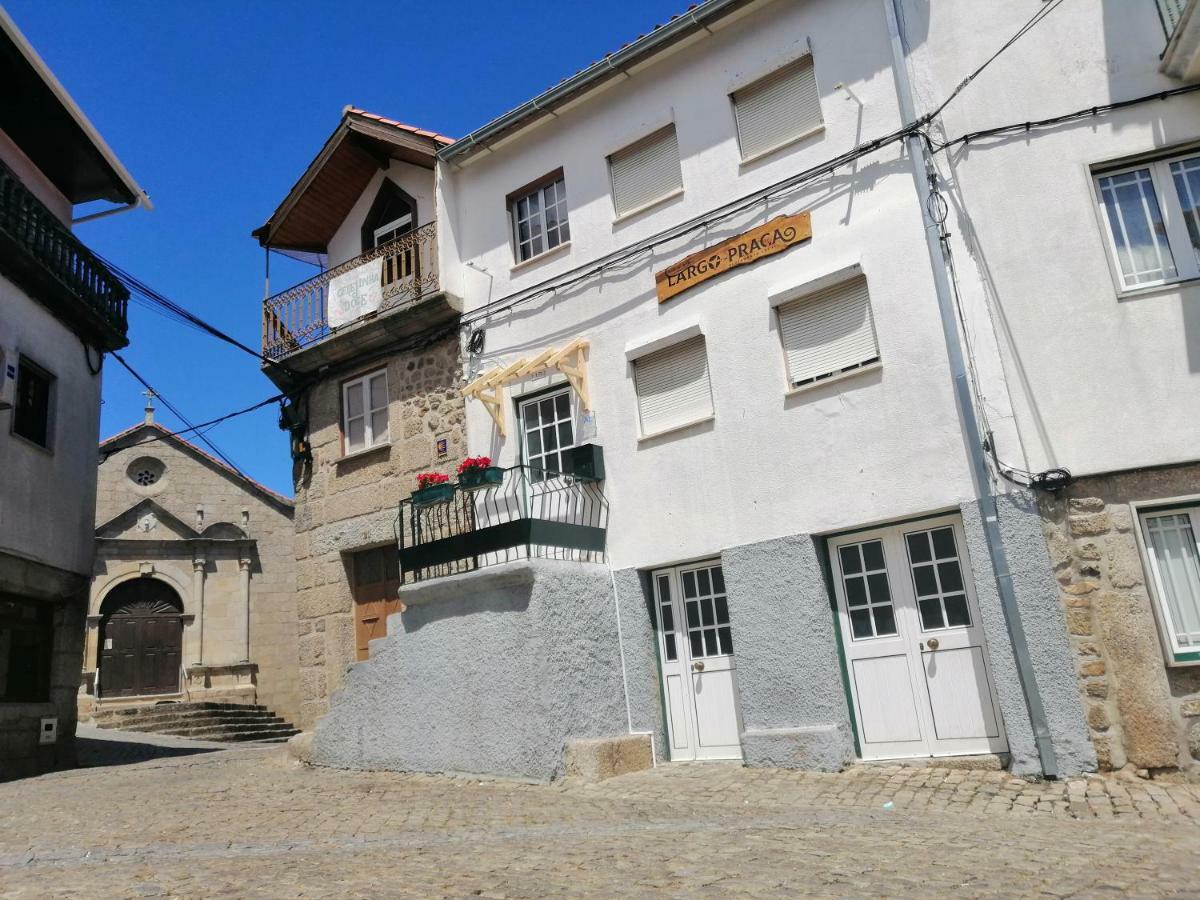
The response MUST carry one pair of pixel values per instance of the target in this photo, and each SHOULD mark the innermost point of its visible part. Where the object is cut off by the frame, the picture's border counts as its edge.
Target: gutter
(981, 475)
(610, 66)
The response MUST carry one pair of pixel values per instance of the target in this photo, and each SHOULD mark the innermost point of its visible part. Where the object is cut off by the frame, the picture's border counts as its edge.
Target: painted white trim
(781, 295)
(646, 207)
(657, 434)
(1138, 508)
(782, 145)
(541, 257)
(832, 379)
(640, 347)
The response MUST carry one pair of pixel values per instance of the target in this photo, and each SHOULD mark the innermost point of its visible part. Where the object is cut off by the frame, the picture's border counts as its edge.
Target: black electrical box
(587, 461)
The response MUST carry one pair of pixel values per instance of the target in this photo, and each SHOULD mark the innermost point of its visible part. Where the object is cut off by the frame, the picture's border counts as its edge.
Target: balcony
(349, 296)
(1181, 22)
(41, 255)
(531, 514)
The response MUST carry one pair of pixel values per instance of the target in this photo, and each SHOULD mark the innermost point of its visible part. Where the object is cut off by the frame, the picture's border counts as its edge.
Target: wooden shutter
(776, 108)
(646, 170)
(672, 386)
(828, 332)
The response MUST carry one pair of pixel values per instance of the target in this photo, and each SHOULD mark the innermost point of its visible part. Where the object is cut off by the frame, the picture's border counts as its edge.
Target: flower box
(435, 493)
(477, 477)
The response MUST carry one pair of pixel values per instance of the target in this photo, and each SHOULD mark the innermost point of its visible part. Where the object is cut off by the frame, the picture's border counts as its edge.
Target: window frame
(1187, 266)
(538, 187)
(1174, 654)
(24, 363)
(536, 397)
(368, 411)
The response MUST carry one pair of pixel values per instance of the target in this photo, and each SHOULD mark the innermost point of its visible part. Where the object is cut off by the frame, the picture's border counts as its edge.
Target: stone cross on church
(149, 395)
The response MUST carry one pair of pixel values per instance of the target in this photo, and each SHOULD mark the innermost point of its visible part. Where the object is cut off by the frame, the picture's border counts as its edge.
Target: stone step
(185, 723)
(171, 715)
(237, 733)
(185, 706)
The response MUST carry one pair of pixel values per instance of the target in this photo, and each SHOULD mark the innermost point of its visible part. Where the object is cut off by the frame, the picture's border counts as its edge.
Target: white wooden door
(699, 677)
(915, 651)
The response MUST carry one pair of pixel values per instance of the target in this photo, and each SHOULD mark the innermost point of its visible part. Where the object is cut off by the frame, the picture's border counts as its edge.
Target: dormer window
(392, 215)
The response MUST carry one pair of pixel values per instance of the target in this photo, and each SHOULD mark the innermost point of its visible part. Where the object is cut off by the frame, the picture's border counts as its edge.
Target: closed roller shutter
(645, 171)
(673, 386)
(777, 108)
(828, 332)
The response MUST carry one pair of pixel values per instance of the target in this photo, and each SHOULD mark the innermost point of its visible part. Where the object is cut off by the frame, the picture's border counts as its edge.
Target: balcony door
(393, 214)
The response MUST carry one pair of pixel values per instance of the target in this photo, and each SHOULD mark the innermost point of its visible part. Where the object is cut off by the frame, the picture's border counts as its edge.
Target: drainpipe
(922, 169)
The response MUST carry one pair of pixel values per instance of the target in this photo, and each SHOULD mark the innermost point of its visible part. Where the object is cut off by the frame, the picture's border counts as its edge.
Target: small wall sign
(443, 446)
(781, 233)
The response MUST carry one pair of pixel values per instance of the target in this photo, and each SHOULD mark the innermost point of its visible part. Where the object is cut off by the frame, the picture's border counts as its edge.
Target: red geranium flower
(474, 462)
(428, 479)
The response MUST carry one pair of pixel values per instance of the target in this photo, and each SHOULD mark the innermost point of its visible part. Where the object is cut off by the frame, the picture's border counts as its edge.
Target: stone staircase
(200, 721)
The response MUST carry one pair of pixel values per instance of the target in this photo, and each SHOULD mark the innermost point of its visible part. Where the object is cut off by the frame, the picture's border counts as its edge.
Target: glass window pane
(697, 647)
(531, 414)
(943, 543)
(918, 547)
(956, 611)
(873, 555)
(704, 582)
(726, 640)
(951, 576)
(547, 406)
(689, 584)
(535, 443)
(1173, 543)
(523, 208)
(1186, 174)
(355, 434)
(379, 426)
(668, 617)
(669, 641)
(924, 581)
(722, 608)
(931, 614)
(850, 561)
(885, 619)
(1136, 223)
(706, 610)
(710, 641)
(354, 400)
(562, 406)
(856, 591)
(718, 580)
(564, 434)
(693, 613)
(564, 230)
(879, 588)
(378, 391)
(549, 438)
(664, 589)
(860, 623)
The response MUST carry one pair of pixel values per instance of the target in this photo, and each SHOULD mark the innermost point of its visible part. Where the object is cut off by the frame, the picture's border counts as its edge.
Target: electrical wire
(179, 415)
(211, 423)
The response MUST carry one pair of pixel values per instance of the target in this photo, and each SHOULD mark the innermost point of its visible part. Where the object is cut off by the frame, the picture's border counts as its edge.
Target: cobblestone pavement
(249, 822)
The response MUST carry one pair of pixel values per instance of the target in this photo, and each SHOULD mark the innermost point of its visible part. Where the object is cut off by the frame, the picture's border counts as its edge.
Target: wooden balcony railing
(299, 316)
(44, 253)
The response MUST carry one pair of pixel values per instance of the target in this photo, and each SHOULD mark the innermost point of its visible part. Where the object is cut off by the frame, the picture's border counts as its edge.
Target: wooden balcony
(41, 254)
(300, 316)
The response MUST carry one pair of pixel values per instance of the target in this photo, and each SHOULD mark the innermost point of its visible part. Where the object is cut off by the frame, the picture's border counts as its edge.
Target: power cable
(179, 415)
(211, 423)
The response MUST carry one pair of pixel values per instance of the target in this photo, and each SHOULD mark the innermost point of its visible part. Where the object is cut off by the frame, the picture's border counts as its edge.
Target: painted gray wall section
(490, 672)
(794, 711)
(641, 655)
(1046, 635)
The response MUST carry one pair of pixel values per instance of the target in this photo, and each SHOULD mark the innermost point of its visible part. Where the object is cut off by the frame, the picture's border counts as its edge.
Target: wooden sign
(773, 237)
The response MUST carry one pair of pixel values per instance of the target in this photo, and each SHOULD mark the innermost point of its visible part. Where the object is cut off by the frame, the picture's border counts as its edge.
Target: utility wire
(169, 405)
(211, 423)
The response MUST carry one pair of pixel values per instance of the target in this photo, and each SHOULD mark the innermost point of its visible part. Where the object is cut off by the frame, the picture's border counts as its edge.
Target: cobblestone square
(250, 822)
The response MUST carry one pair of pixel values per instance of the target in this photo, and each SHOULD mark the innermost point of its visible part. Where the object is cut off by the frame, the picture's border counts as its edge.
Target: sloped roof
(125, 438)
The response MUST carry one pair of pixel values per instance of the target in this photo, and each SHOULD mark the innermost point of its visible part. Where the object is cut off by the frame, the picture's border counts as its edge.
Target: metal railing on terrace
(39, 245)
(529, 514)
(299, 316)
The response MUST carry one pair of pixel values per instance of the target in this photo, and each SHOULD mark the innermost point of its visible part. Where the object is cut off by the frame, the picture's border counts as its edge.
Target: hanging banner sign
(353, 294)
(773, 237)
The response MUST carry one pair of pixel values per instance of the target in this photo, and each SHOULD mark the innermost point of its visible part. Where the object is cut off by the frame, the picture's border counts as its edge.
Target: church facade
(192, 597)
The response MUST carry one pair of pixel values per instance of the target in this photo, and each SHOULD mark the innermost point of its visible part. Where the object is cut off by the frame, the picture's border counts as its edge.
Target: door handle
(933, 643)
(698, 666)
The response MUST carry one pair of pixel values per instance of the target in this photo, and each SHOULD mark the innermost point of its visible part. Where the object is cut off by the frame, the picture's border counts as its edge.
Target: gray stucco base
(794, 712)
(1045, 633)
(491, 672)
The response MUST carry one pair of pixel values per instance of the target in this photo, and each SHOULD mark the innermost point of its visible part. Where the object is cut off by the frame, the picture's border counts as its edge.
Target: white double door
(915, 651)
(699, 677)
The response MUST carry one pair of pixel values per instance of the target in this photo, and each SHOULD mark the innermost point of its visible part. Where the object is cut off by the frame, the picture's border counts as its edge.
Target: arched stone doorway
(141, 640)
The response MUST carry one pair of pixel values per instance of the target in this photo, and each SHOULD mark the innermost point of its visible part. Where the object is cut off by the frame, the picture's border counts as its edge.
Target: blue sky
(216, 108)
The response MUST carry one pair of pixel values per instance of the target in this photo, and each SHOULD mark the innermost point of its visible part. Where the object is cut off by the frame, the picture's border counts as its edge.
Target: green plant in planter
(432, 487)
(478, 471)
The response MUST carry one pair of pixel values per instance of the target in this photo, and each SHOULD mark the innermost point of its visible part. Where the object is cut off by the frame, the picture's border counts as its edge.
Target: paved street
(249, 822)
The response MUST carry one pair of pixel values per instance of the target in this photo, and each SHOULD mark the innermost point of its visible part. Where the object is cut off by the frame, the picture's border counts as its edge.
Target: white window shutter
(645, 171)
(673, 386)
(828, 332)
(777, 108)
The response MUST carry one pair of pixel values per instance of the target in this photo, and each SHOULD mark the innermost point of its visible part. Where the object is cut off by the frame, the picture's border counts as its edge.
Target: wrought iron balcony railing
(42, 253)
(531, 513)
(299, 316)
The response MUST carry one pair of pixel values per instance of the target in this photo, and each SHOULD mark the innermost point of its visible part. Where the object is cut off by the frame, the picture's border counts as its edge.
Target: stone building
(61, 310)
(193, 592)
(374, 378)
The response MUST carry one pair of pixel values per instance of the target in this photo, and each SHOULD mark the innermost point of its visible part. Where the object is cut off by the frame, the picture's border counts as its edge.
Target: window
(365, 412)
(32, 412)
(937, 579)
(868, 593)
(1152, 215)
(539, 217)
(548, 432)
(828, 332)
(26, 640)
(645, 171)
(673, 387)
(777, 109)
(1170, 537)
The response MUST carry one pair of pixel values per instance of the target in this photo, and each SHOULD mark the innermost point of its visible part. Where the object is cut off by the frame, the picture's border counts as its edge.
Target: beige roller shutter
(672, 386)
(828, 332)
(777, 108)
(645, 170)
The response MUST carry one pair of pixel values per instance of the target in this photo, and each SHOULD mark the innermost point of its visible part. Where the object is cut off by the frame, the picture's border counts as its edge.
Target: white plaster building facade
(61, 309)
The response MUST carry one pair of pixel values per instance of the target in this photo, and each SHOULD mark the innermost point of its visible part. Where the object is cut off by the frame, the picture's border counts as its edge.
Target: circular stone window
(145, 471)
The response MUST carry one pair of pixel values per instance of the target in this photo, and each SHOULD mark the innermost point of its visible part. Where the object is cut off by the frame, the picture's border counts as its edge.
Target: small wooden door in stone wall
(141, 640)
(376, 577)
